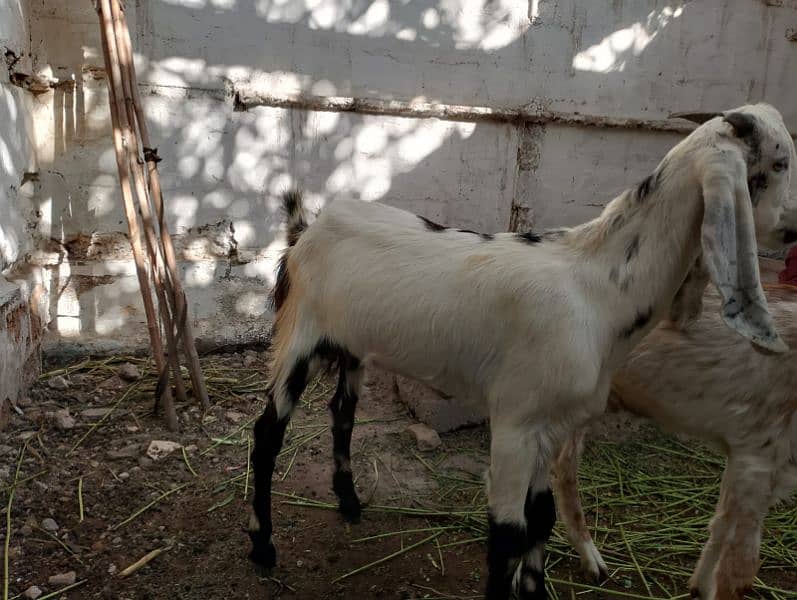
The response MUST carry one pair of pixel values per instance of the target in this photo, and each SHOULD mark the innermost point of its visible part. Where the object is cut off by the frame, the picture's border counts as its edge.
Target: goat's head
(771, 185)
(744, 157)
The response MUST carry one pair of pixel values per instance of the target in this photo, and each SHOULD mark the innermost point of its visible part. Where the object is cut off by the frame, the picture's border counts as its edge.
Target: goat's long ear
(730, 255)
(688, 302)
(695, 117)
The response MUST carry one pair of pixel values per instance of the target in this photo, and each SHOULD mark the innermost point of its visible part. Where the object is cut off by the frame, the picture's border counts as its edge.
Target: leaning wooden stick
(117, 114)
(165, 298)
(150, 154)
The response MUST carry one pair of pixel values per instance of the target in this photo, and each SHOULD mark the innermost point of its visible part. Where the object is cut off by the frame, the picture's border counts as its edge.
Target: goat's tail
(297, 222)
(293, 203)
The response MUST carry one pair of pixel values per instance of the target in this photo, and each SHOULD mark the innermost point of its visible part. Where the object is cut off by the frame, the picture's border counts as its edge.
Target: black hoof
(529, 585)
(263, 554)
(351, 509)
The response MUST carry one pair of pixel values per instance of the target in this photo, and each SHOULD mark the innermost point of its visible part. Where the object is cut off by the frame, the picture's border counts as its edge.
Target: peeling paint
(20, 339)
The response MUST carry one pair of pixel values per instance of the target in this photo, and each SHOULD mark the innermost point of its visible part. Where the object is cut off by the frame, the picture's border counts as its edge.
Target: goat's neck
(646, 245)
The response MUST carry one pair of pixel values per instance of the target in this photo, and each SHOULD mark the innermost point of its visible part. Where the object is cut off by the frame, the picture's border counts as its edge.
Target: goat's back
(710, 383)
(450, 308)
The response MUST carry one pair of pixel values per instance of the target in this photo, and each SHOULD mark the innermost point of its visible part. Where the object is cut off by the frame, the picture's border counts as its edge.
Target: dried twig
(188, 464)
(148, 557)
(59, 593)
(388, 557)
(145, 508)
(80, 498)
(121, 399)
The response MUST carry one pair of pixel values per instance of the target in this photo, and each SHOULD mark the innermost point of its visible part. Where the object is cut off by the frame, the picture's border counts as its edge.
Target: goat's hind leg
(343, 406)
(567, 497)
(289, 380)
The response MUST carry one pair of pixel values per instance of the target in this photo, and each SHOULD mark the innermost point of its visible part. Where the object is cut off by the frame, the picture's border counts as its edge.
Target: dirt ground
(424, 528)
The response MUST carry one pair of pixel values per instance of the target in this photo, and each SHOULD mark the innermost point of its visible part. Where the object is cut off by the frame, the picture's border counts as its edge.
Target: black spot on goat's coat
(755, 185)
(617, 222)
(529, 238)
(642, 319)
(745, 128)
(485, 236)
(632, 249)
(431, 225)
(789, 236)
(646, 187)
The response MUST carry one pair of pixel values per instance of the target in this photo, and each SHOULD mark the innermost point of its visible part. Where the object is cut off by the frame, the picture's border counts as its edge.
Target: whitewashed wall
(20, 330)
(223, 169)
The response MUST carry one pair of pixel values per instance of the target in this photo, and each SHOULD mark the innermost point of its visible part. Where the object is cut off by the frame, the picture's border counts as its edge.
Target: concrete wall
(224, 168)
(20, 288)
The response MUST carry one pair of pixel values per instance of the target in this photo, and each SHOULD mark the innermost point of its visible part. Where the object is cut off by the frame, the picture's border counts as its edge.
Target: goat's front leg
(565, 481)
(730, 560)
(518, 463)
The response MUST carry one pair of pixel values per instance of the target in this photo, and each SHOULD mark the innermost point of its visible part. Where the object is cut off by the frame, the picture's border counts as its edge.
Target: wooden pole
(137, 167)
(118, 118)
(150, 154)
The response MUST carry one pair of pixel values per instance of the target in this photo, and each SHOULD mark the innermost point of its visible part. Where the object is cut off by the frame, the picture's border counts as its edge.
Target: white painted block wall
(223, 169)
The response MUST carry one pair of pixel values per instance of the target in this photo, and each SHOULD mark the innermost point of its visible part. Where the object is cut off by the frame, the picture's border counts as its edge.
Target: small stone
(129, 372)
(111, 569)
(124, 475)
(32, 593)
(98, 546)
(63, 420)
(95, 413)
(425, 437)
(63, 579)
(131, 428)
(159, 449)
(26, 530)
(191, 448)
(26, 435)
(234, 416)
(116, 541)
(58, 383)
(78, 379)
(144, 462)
(129, 451)
(94, 464)
(49, 524)
(41, 485)
(251, 360)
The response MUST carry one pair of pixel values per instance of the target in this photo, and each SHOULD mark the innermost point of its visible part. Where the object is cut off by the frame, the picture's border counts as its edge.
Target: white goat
(710, 384)
(533, 327)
